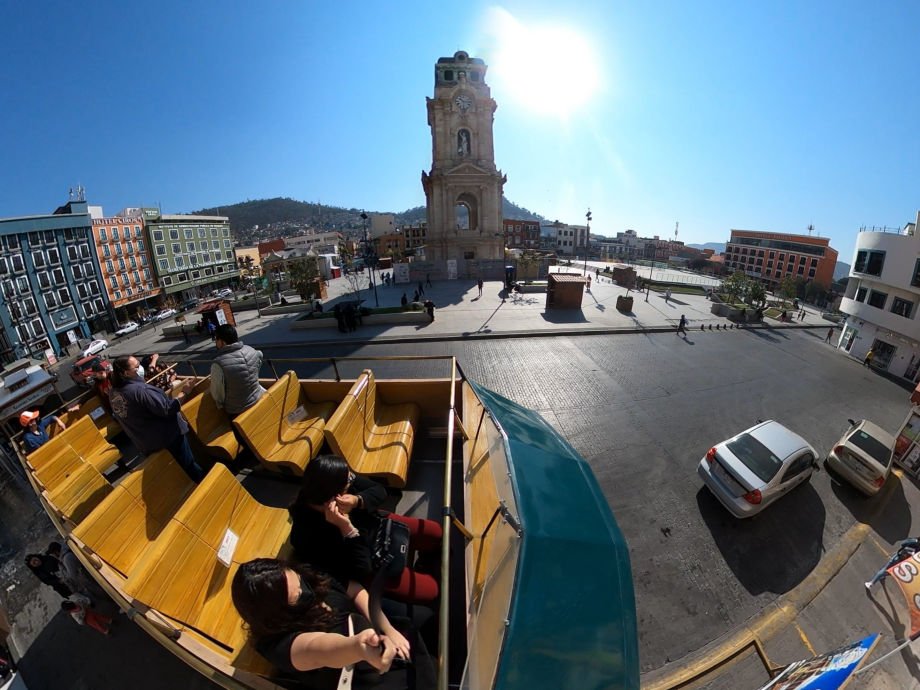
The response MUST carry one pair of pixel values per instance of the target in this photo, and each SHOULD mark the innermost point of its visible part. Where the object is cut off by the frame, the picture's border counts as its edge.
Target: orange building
(772, 256)
(124, 257)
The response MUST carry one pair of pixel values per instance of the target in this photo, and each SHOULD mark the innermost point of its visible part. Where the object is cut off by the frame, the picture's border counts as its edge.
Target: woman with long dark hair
(310, 627)
(334, 520)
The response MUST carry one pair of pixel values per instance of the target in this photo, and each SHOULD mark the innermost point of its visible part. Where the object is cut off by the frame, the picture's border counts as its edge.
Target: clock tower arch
(463, 189)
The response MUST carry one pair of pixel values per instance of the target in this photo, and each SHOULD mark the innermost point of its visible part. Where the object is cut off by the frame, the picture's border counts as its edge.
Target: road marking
(804, 638)
(881, 548)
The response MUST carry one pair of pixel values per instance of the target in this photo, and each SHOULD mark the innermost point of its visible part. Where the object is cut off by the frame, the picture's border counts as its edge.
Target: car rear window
(870, 445)
(755, 456)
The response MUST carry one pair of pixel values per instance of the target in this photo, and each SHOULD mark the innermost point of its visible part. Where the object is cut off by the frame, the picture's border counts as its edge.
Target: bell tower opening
(466, 212)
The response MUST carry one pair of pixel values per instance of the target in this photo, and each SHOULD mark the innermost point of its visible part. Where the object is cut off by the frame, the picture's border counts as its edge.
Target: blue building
(50, 287)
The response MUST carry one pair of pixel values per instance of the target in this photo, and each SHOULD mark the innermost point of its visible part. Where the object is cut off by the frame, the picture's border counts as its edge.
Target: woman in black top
(334, 520)
(299, 620)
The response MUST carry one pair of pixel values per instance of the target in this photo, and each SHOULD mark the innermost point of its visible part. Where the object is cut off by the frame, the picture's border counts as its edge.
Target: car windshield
(755, 456)
(870, 445)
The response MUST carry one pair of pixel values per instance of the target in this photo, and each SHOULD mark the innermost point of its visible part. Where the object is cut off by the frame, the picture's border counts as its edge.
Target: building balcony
(881, 317)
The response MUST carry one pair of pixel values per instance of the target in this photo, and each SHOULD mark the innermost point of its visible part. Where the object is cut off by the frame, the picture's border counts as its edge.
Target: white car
(750, 471)
(128, 327)
(863, 456)
(164, 314)
(225, 292)
(95, 347)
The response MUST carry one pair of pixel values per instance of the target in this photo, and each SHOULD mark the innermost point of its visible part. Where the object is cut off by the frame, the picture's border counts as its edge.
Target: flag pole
(882, 658)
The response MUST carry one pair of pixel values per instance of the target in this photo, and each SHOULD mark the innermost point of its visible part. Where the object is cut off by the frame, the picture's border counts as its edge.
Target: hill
(841, 270)
(281, 212)
(717, 247)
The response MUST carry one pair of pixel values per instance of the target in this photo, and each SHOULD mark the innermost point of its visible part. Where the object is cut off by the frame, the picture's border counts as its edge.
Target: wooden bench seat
(180, 576)
(132, 516)
(54, 460)
(211, 428)
(285, 428)
(373, 437)
(93, 408)
(73, 498)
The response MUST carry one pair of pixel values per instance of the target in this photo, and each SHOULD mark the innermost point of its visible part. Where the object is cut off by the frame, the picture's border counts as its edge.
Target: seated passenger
(36, 434)
(298, 619)
(334, 520)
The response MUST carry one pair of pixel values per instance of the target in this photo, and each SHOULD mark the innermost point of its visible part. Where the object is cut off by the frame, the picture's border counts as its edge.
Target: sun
(550, 69)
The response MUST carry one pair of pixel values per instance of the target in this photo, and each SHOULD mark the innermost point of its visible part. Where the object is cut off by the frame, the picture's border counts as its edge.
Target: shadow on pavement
(894, 520)
(773, 551)
(893, 617)
(67, 656)
(564, 316)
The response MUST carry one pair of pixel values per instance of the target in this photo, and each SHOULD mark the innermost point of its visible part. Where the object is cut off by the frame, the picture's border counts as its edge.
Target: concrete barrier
(402, 318)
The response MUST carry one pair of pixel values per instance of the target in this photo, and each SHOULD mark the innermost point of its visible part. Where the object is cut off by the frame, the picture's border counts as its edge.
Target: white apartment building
(882, 300)
(570, 240)
(319, 242)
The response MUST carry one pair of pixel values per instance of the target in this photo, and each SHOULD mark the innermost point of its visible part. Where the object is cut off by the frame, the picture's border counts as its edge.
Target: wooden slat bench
(76, 496)
(132, 516)
(91, 407)
(51, 461)
(373, 437)
(180, 576)
(211, 428)
(285, 428)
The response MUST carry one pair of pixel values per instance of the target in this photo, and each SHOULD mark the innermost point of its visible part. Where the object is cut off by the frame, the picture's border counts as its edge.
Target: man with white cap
(36, 435)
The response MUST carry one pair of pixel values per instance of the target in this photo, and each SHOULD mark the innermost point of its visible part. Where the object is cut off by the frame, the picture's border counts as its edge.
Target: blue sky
(767, 116)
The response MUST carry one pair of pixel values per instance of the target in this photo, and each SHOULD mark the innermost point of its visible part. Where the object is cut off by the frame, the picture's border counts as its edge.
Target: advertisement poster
(401, 273)
(911, 462)
(909, 433)
(907, 575)
(451, 269)
(831, 671)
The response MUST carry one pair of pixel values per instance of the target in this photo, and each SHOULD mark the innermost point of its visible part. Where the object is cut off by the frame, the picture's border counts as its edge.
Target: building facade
(124, 260)
(521, 234)
(882, 298)
(192, 255)
(320, 242)
(463, 190)
(50, 282)
(770, 257)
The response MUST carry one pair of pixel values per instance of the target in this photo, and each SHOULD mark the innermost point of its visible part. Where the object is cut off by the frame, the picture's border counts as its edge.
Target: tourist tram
(536, 588)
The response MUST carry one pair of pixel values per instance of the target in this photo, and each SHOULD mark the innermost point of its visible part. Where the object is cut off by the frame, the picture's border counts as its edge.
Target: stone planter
(719, 309)
(624, 303)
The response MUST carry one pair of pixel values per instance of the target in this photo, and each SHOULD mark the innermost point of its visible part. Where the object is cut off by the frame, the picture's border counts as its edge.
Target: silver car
(750, 471)
(863, 456)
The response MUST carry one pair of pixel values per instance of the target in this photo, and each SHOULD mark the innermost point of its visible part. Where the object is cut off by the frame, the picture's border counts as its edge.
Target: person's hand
(399, 642)
(60, 423)
(336, 517)
(73, 408)
(346, 502)
(374, 650)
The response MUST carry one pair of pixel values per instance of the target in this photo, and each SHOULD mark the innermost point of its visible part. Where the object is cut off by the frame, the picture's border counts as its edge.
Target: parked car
(190, 304)
(862, 457)
(127, 327)
(164, 314)
(223, 293)
(82, 371)
(95, 347)
(750, 471)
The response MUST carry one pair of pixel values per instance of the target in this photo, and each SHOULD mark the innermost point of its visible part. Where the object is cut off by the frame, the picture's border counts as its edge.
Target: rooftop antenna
(811, 228)
(676, 226)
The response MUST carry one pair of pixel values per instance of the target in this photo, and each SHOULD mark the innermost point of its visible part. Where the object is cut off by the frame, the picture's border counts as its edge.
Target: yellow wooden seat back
(86, 439)
(54, 468)
(180, 575)
(280, 437)
(373, 437)
(132, 516)
(76, 496)
(93, 408)
(211, 427)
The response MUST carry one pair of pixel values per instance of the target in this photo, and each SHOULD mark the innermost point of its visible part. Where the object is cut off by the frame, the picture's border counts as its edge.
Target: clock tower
(464, 188)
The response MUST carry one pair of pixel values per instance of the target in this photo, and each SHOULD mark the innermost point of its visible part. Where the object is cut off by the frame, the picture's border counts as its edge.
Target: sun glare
(547, 68)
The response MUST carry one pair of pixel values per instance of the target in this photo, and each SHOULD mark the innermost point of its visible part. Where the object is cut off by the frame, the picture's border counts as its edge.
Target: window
(17, 263)
(180, 262)
(227, 245)
(230, 255)
(38, 328)
(814, 263)
(3, 267)
(190, 246)
(72, 253)
(82, 291)
(113, 281)
(54, 256)
(176, 248)
(202, 233)
(50, 301)
(861, 294)
(12, 242)
(869, 262)
(174, 234)
(196, 275)
(769, 264)
(121, 265)
(161, 250)
(109, 267)
(877, 299)
(213, 232)
(147, 274)
(84, 251)
(130, 292)
(215, 244)
(164, 265)
(137, 232)
(44, 280)
(137, 277)
(129, 247)
(38, 259)
(166, 280)
(64, 296)
(118, 249)
(133, 262)
(205, 258)
(181, 278)
(106, 251)
(157, 235)
(189, 233)
(77, 272)
(118, 294)
(114, 233)
(902, 307)
(28, 305)
(915, 280)
(193, 259)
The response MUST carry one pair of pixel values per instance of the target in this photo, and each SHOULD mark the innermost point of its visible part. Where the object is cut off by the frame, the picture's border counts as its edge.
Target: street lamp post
(587, 238)
(370, 258)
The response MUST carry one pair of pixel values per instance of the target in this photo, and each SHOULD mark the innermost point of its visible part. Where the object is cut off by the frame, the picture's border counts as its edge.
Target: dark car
(82, 372)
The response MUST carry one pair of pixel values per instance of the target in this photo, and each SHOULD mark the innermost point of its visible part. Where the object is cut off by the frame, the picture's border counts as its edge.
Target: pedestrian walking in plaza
(429, 307)
(868, 360)
(81, 610)
(415, 296)
(667, 295)
(479, 283)
(339, 314)
(830, 334)
(428, 279)
(351, 318)
(802, 316)
(906, 549)
(211, 328)
(682, 326)
(185, 336)
(421, 289)
(405, 300)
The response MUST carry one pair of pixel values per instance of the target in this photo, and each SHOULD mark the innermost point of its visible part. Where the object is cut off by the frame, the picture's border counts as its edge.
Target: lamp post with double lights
(370, 259)
(587, 239)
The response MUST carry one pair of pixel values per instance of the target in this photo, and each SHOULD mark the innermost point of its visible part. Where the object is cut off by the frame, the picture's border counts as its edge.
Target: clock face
(463, 102)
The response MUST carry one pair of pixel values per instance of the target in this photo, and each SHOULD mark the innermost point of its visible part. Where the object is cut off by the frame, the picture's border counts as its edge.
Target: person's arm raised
(330, 650)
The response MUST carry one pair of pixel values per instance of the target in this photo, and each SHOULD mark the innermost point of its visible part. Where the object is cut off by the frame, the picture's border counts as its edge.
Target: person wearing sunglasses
(309, 626)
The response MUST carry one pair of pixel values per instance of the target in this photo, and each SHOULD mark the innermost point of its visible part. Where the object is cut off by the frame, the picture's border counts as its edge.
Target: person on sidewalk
(667, 295)
(682, 326)
(152, 420)
(47, 568)
(428, 279)
(479, 284)
(36, 432)
(906, 549)
(421, 289)
(81, 610)
(868, 360)
(429, 307)
(830, 334)
(235, 383)
(404, 301)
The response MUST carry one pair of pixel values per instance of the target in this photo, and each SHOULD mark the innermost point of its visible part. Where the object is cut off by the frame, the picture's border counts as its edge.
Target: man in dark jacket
(235, 383)
(151, 420)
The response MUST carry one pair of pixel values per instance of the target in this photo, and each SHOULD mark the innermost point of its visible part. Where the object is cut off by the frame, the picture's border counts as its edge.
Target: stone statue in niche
(463, 142)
